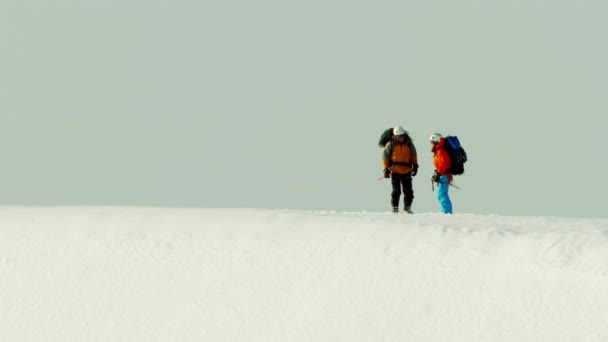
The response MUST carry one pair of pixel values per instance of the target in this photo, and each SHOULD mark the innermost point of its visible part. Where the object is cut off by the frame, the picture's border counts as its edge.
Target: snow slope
(159, 274)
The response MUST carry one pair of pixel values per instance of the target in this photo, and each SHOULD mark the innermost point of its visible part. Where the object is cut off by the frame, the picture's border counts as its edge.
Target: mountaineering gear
(385, 137)
(442, 195)
(389, 134)
(442, 159)
(435, 177)
(398, 130)
(457, 155)
(401, 182)
(400, 162)
(399, 156)
(442, 175)
(414, 170)
(435, 137)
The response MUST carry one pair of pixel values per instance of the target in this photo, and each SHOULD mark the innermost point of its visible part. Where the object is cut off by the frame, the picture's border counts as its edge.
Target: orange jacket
(441, 160)
(399, 156)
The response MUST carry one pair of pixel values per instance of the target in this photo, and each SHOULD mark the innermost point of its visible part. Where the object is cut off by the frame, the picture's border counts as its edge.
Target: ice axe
(381, 178)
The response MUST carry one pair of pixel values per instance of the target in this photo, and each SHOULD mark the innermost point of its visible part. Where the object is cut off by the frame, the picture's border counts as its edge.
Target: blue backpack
(457, 155)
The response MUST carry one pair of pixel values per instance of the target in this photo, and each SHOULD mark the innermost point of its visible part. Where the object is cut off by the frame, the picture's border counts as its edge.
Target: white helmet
(435, 138)
(398, 130)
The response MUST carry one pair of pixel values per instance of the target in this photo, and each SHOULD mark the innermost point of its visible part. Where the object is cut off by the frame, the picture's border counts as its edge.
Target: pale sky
(279, 104)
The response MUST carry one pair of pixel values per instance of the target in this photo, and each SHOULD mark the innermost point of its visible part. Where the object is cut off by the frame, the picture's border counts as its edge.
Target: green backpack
(385, 137)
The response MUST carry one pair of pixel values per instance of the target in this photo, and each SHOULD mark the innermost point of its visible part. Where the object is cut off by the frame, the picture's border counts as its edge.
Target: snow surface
(160, 274)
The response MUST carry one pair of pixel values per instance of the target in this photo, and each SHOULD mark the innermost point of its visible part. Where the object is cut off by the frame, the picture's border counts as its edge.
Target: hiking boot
(408, 210)
(395, 209)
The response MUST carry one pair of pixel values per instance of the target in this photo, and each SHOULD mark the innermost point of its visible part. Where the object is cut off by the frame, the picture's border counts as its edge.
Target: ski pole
(454, 186)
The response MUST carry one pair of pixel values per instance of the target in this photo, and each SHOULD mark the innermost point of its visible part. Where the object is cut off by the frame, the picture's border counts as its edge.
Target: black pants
(402, 181)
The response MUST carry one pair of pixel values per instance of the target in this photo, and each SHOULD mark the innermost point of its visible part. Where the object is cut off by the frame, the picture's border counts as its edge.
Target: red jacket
(442, 159)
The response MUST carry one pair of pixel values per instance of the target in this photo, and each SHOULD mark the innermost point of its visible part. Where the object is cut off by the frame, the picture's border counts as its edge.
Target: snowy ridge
(158, 274)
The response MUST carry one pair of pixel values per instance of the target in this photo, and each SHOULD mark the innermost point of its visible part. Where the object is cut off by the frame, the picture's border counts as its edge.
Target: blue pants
(442, 195)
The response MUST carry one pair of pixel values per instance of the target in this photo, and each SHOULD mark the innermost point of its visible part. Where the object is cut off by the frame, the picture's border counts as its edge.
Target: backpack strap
(388, 152)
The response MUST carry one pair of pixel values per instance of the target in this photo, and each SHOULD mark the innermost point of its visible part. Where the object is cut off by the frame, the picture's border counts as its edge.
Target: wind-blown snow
(158, 274)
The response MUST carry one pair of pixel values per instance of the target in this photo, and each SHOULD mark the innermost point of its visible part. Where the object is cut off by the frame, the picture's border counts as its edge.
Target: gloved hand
(387, 173)
(435, 177)
(415, 170)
